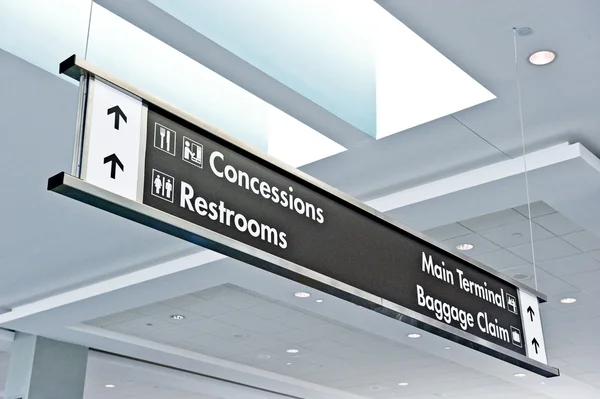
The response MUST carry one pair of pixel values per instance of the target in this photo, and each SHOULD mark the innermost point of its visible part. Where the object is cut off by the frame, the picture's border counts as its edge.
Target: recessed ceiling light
(109, 386)
(447, 348)
(289, 363)
(264, 357)
(568, 300)
(402, 384)
(302, 294)
(292, 351)
(543, 57)
(319, 301)
(177, 316)
(520, 375)
(464, 247)
(414, 335)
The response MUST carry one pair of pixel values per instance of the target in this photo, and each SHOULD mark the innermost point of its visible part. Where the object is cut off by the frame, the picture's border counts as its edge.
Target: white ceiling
(244, 327)
(568, 265)
(57, 245)
(132, 379)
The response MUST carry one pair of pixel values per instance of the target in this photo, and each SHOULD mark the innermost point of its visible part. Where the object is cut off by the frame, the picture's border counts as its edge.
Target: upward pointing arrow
(531, 312)
(535, 344)
(118, 114)
(114, 162)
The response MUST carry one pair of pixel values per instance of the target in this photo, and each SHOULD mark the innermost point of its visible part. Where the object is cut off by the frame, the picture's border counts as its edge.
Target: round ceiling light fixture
(292, 351)
(521, 276)
(177, 317)
(109, 386)
(464, 247)
(319, 301)
(568, 300)
(524, 31)
(542, 57)
(414, 335)
(520, 375)
(402, 384)
(301, 294)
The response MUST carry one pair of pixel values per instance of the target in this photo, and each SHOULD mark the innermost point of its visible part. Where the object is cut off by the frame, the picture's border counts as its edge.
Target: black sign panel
(191, 174)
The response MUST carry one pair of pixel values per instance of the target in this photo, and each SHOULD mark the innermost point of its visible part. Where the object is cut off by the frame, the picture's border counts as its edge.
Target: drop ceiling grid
(330, 354)
(568, 264)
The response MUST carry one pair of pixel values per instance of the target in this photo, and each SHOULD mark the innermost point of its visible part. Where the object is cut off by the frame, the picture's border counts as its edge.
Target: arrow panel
(112, 140)
(532, 326)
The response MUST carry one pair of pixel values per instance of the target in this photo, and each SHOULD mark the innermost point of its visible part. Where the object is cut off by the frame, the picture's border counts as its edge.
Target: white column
(41, 368)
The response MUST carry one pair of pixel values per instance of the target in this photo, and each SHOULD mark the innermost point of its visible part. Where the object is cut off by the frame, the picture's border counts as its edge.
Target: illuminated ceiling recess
(147, 63)
(351, 57)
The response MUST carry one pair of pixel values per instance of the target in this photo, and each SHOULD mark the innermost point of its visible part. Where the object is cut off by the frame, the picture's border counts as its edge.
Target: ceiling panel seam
(478, 135)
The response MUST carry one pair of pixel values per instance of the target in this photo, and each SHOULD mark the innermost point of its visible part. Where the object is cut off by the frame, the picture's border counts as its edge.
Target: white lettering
(444, 311)
(200, 206)
(187, 193)
(213, 167)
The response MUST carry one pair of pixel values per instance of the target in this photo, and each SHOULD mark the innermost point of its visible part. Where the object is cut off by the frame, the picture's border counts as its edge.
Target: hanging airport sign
(149, 162)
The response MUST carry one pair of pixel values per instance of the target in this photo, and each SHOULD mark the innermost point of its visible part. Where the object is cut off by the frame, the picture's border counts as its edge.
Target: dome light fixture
(542, 57)
(464, 247)
(568, 300)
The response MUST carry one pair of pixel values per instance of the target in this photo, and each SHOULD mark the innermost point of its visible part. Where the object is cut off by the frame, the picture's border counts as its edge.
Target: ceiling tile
(113, 319)
(301, 336)
(557, 224)
(181, 301)
(171, 334)
(254, 323)
(545, 250)
(217, 328)
(215, 346)
(539, 208)
(259, 342)
(492, 220)
(585, 281)
(570, 265)
(500, 260)
(480, 244)
(272, 311)
(584, 240)
(553, 286)
(152, 308)
(208, 308)
(514, 234)
(527, 275)
(447, 232)
(240, 300)
(139, 326)
(216, 292)
(302, 321)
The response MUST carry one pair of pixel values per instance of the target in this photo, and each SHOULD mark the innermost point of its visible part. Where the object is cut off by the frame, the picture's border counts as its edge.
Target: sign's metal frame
(72, 186)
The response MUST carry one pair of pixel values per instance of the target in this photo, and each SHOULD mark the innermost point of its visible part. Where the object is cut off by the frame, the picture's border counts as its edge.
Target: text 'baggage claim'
(449, 313)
